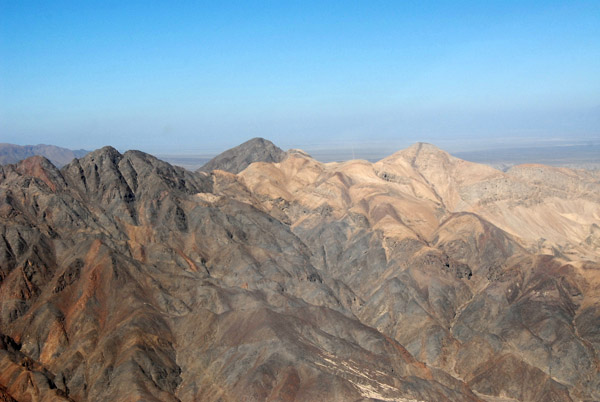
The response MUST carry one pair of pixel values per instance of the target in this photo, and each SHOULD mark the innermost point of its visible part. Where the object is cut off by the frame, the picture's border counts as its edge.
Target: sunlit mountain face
(268, 275)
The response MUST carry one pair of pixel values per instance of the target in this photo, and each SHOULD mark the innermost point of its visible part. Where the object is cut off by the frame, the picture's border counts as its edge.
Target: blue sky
(204, 76)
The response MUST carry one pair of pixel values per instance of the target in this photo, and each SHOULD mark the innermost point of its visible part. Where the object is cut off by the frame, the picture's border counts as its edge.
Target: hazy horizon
(202, 78)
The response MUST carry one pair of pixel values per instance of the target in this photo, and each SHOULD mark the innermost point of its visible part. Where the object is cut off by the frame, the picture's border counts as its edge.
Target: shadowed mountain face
(419, 277)
(239, 158)
(10, 153)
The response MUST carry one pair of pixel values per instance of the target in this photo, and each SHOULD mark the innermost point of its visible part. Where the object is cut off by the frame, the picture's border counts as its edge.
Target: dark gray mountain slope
(239, 158)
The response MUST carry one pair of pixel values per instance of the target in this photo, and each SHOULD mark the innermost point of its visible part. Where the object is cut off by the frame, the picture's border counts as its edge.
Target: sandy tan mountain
(548, 209)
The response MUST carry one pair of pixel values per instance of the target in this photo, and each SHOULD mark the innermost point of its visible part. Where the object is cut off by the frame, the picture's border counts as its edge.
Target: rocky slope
(10, 153)
(419, 277)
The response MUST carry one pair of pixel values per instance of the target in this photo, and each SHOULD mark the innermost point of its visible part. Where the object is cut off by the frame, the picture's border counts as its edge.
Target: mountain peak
(419, 151)
(106, 151)
(40, 167)
(425, 147)
(239, 158)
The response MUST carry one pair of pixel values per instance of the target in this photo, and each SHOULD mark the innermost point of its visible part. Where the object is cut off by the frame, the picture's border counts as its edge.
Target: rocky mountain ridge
(418, 277)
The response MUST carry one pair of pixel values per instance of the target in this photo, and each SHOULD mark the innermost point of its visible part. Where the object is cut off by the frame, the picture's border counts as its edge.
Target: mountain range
(267, 275)
(11, 153)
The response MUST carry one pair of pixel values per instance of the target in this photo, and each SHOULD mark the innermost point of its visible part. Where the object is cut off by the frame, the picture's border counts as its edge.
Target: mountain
(10, 153)
(239, 158)
(418, 277)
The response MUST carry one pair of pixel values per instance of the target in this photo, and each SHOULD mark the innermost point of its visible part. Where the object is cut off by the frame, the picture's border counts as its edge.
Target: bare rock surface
(271, 276)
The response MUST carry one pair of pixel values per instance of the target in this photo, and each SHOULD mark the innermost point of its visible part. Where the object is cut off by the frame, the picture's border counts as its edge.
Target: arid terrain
(267, 275)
